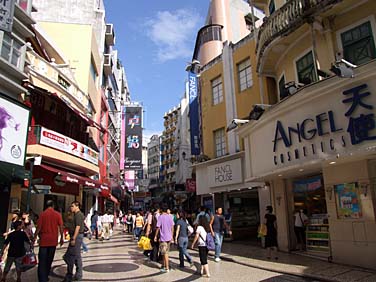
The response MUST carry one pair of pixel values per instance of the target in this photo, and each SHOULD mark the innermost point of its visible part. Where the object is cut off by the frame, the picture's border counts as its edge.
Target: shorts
(203, 253)
(164, 248)
(9, 262)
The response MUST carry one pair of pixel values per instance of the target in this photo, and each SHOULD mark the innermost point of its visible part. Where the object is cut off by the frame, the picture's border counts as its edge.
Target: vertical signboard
(193, 113)
(14, 125)
(6, 15)
(122, 138)
(133, 141)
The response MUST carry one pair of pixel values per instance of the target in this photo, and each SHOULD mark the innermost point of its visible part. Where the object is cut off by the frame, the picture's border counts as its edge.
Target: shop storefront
(316, 152)
(220, 183)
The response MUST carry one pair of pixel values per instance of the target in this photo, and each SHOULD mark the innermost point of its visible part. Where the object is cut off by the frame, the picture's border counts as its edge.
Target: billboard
(133, 138)
(14, 125)
(193, 113)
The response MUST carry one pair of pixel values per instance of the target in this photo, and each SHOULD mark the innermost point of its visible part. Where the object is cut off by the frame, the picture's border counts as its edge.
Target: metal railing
(287, 19)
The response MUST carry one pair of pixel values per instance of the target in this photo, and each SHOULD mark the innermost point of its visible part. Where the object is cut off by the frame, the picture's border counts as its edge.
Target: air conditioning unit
(110, 35)
(107, 64)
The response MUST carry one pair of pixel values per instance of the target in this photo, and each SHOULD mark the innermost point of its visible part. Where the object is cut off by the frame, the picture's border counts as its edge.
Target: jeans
(94, 230)
(73, 257)
(45, 258)
(218, 243)
(84, 246)
(183, 246)
(137, 232)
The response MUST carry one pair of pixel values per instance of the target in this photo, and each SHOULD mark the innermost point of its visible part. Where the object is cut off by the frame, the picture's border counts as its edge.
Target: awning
(57, 98)
(73, 178)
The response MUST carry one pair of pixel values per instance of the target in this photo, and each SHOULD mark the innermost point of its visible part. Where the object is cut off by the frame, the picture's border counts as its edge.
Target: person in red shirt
(50, 224)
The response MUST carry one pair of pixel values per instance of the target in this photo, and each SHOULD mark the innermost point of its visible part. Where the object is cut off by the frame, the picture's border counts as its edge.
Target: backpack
(210, 244)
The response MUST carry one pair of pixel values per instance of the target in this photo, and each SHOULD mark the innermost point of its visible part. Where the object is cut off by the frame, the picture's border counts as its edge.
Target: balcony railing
(287, 19)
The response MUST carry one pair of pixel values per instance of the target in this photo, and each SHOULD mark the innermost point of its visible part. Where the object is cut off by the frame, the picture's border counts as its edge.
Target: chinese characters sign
(6, 14)
(348, 202)
(133, 138)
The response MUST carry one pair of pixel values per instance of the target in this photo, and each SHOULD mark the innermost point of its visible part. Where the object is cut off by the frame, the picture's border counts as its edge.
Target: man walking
(50, 225)
(165, 228)
(217, 228)
(106, 219)
(73, 254)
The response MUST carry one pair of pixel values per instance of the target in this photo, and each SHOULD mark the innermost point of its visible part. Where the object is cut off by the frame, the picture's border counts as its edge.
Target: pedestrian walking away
(271, 243)
(202, 231)
(217, 228)
(49, 226)
(165, 228)
(16, 251)
(105, 220)
(94, 224)
(73, 254)
(181, 239)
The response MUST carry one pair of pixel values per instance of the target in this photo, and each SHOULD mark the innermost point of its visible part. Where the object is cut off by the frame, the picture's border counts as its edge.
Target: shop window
(358, 44)
(306, 70)
(245, 74)
(11, 50)
(220, 142)
(217, 91)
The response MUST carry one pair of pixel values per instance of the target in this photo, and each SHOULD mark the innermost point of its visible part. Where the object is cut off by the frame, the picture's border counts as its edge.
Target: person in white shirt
(301, 220)
(202, 230)
(105, 226)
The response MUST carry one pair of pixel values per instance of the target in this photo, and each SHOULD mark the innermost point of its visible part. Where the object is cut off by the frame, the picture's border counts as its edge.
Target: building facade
(318, 65)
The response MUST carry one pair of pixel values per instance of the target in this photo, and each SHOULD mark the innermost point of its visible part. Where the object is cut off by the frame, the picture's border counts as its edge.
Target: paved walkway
(119, 259)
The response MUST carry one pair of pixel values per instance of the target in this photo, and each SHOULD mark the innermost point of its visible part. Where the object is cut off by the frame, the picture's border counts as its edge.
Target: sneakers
(217, 259)
(164, 270)
(191, 264)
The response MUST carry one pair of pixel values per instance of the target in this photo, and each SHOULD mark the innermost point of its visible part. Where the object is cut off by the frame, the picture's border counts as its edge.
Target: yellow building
(314, 148)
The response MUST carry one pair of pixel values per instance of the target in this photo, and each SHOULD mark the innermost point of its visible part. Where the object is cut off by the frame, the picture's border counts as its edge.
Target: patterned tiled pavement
(119, 259)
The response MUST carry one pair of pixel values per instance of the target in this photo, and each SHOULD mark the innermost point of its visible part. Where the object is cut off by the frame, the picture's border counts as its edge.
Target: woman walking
(202, 230)
(271, 243)
(181, 239)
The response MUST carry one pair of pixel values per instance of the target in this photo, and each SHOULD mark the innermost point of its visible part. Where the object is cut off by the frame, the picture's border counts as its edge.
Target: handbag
(29, 260)
(263, 230)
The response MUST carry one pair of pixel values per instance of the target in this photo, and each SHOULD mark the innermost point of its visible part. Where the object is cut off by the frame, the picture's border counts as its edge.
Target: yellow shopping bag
(262, 230)
(144, 243)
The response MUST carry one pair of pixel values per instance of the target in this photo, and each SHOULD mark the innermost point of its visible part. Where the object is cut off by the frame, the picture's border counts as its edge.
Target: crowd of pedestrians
(165, 228)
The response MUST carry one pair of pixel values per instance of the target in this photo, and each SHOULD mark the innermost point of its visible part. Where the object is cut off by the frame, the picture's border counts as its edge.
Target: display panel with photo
(348, 201)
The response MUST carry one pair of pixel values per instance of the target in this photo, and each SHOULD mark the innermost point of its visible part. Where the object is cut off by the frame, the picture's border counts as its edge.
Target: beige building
(314, 148)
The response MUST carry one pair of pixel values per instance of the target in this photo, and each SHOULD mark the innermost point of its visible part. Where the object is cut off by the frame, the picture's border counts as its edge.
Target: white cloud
(147, 134)
(173, 32)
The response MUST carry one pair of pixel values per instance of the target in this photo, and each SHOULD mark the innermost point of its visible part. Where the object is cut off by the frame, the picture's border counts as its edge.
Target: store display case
(317, 236)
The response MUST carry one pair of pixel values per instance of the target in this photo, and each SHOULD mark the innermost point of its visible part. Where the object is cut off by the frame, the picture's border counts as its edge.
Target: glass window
(358, 44)
(11, 50)
(306, 69)
(217, 90)
(220, 142)
(281, 85)
(245, 74)
(271, 7)
(93, 71)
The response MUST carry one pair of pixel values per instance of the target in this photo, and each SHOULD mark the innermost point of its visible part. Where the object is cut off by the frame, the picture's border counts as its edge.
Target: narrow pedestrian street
(119, 259)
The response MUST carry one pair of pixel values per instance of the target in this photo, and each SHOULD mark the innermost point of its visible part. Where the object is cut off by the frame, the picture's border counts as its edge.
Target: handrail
(287, 19)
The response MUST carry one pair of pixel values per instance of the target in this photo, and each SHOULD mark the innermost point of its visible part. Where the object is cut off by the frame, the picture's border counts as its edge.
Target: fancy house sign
(225, 173)
(306, 137)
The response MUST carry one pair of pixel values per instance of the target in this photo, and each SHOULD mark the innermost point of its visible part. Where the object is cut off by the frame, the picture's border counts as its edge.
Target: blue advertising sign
(193, 113)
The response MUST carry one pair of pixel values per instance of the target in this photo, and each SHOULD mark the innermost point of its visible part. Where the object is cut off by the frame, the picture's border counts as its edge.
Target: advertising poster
(133, 138)
(14, 124)
(193, 114)
(348, 202)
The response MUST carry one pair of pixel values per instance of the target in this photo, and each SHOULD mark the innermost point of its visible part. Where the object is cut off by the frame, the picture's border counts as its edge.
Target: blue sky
(156, 39)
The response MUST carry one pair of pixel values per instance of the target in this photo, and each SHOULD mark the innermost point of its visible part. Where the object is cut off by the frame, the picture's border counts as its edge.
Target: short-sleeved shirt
(300, 218)
(183, 228)
(16, 241)
(201, 236)
(78, 220)
(49, 222)
(165, 224)
(139, 221)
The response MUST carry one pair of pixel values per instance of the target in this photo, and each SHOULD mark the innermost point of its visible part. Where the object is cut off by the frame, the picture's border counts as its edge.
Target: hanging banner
(6, 15)
(193, 113)
(14, 125)
(133, 141)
